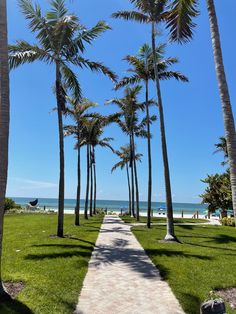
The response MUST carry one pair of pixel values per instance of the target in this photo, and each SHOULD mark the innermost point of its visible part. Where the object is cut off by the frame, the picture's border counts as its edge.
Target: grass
(129, 219)
(204, 262)
(52, 269)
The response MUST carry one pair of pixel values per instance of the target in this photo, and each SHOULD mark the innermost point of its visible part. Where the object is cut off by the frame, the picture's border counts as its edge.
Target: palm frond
(173, 74)
(71, 81)
(127, 80)
(132, 16)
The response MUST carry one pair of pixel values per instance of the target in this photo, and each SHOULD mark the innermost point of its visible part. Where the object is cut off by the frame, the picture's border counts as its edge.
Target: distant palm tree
(124, 155)
(91, 137)
(78, 111)
(128, 121)
(222, 147)
(61, 42)
(154, 12)
(142, 70)
(4, 125)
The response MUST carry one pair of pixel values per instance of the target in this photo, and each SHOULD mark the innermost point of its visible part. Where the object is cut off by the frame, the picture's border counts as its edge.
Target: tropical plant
(218, 194)
(124, 154)
(92, 137)
(128, 121)
(142, 70)
(78, 111)
(61, 42)
(4, 125)
(222, 147)
(154, 12)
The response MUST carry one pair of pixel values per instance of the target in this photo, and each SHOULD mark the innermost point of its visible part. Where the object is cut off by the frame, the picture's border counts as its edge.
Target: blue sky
(192, 110)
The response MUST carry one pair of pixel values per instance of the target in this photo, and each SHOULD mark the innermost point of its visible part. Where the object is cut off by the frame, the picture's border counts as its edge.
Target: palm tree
(78, 112)
(154, 12)
(4, 125)
(124, 155)
(222, 147)
(142, 70)
(181, 24)
(128, 121)
(61, 39)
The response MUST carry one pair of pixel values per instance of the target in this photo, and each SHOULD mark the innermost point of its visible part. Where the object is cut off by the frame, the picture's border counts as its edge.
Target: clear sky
(192, 110)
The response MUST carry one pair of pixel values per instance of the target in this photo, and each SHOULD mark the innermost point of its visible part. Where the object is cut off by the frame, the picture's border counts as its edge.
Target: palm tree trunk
(149, 158)
(91, 184)
(60, 106)
(77, 208)
(170, 236)
(136, 182)
(132, 177)
(228, 117)
(87, 185)
(95, 183)
(4, 124)
(128, 180)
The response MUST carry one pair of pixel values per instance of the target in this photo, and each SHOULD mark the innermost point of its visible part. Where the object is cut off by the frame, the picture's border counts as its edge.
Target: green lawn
(205, 261)
(52, 269)
(129, 219)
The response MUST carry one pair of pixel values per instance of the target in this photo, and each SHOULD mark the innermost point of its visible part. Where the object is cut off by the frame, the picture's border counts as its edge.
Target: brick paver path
(121, 278)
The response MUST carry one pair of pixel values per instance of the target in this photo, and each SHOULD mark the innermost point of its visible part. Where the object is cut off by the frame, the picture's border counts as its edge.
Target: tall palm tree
(61, 42)
(128, 121)
(124, 155)
(154, 12)
(78, 111)
(180, 23)
(4, 125)
(142, 70)
(222, 147)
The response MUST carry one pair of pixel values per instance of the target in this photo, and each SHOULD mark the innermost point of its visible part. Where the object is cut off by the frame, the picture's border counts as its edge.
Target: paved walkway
(121, 279)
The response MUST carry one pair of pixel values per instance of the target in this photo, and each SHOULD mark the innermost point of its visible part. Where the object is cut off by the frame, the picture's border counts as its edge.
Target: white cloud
(29, 184)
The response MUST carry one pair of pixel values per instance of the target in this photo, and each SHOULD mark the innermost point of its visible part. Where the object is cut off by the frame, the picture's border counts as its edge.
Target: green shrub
(10, 204)
(228, 221)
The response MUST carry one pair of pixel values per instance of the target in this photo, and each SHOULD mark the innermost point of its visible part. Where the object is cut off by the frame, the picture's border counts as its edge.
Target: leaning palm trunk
(77, 208)
(149, 159)
(87, 186)
(4, 123)
(91, 184)
(60, 106)
(136, 182)
(95, 185)
(170, 236)
(225, 98)
(128, 180)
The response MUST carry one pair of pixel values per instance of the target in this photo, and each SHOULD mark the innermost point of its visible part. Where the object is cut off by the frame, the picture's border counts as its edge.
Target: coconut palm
(78, 111)
(142, 70)
(4, 124)
(124, 154)
(128, 121)
(154, 12)
(179, 21)
(61, 42)
(91, 137)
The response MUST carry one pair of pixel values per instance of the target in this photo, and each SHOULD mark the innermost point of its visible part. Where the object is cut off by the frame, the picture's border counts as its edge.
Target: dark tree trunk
(77, 208)
(128, 180)
(228, 117)
(136, 182)
(4, 125)
(95, 183)
(170, 235)
(149, 209)
(87, 185)
(60, 107)
(91, 184)
(132, 177)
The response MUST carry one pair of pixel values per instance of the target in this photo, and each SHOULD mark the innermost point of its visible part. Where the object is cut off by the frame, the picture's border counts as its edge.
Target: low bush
(10, 204)
(228, 221)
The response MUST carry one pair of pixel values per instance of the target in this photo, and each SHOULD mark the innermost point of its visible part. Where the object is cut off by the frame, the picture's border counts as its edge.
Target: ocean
(52, 203)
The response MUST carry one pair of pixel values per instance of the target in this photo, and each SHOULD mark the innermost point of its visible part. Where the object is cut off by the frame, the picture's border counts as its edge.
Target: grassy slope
(129, 219)
(53, 269)
(204, 262)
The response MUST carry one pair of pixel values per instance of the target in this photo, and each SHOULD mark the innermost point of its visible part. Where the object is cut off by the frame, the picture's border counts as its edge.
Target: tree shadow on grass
(14, 307)
(65, 246)
(57, 255)
(191, 303)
